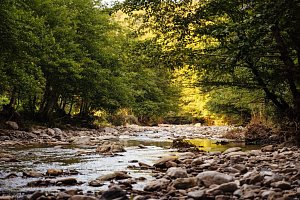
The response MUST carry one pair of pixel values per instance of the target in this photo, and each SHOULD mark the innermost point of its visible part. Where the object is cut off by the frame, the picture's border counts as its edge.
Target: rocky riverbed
(269, 172)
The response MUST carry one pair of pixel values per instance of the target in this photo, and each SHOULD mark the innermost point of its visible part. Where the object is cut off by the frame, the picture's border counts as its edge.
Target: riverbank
(270, 172)
(94, 136)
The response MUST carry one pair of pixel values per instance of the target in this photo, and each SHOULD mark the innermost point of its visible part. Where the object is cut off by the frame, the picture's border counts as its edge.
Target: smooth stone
(228, 187)
(141, 164)
(197, 161)
(121, 175)
(177, 172)
(63, 196)
(82, 197)
(36, 195)
(67, 181)
(197, 195)
(236, 153)
(141, 146)
(233, 149)
(157, 184)
(184, 183)
(110, 148)
(213, 177)
(54, 172)
(249, 194)
(6, 155)
(6, 198)
(238, 193)
(13, 125)
(255, 179)
(282, 185)
(96, 183)
(106, 177)
(266, 194)
(161, 163)
(222, 197)
(115, 192)
(242, 168)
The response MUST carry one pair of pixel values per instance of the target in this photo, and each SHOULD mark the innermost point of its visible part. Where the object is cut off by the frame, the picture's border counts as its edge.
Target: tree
(248, 44)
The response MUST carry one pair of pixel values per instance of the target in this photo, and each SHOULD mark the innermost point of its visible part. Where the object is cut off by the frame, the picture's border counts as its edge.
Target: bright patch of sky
(111, 2)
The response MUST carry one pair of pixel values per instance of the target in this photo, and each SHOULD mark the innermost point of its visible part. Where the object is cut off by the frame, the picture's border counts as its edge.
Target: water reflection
(214, 145)
(91, 165)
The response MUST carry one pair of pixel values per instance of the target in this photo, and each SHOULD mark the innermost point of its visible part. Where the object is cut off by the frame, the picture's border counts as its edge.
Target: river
(82, 158)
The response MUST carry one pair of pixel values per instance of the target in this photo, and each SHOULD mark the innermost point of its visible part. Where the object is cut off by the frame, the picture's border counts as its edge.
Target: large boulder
(177, 172)
(184, 183)
(209, 178)
(118, 175)
(54, 172)
(157, 185)
(233, 149)
(115, 192)
(32, 174)
(13, 125)
(67, 181)
(197, 194)
(163, 162)
(110, 148)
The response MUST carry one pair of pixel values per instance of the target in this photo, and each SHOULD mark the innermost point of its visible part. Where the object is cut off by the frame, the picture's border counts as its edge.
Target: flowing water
(90, 165)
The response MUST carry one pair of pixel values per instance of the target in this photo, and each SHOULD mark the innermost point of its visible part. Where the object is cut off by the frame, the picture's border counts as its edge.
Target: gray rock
(106, 177)
(268, 148)
(233, 149)
(36, 195)
(266, 194)
(177, 172)
(121, 175)
(161, 163)
(57, 131)
(54, 172)
(6, 155)
(236, 159)
(249, 194)
(268, 180)
(228, 187)
(67, 181)
(82, 140)
(242, 168)
(140, 197)
(63, 196)
(197, 195)
(236, 153)
(157, 184)
(238, 193)
(50, 132)
(13, 125)
(282, 185)
(32, 174)
(110, 148)
(96, 183)
(255, 179)
(115, 192)
(197, 161)
(6, 198)
(184, 183)
(222, 197)
(82, 197)
(213, 177)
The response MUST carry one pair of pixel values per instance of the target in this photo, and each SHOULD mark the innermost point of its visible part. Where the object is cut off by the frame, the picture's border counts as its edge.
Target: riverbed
(88, 165)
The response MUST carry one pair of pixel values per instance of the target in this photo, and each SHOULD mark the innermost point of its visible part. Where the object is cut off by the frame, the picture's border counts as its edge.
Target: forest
(82, 62)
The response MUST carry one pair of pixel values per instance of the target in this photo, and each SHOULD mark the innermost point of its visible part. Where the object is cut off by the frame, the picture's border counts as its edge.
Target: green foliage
(64, 59)
(252, 45)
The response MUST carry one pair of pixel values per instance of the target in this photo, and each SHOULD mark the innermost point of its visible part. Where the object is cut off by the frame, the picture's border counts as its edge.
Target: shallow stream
(90, 165)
